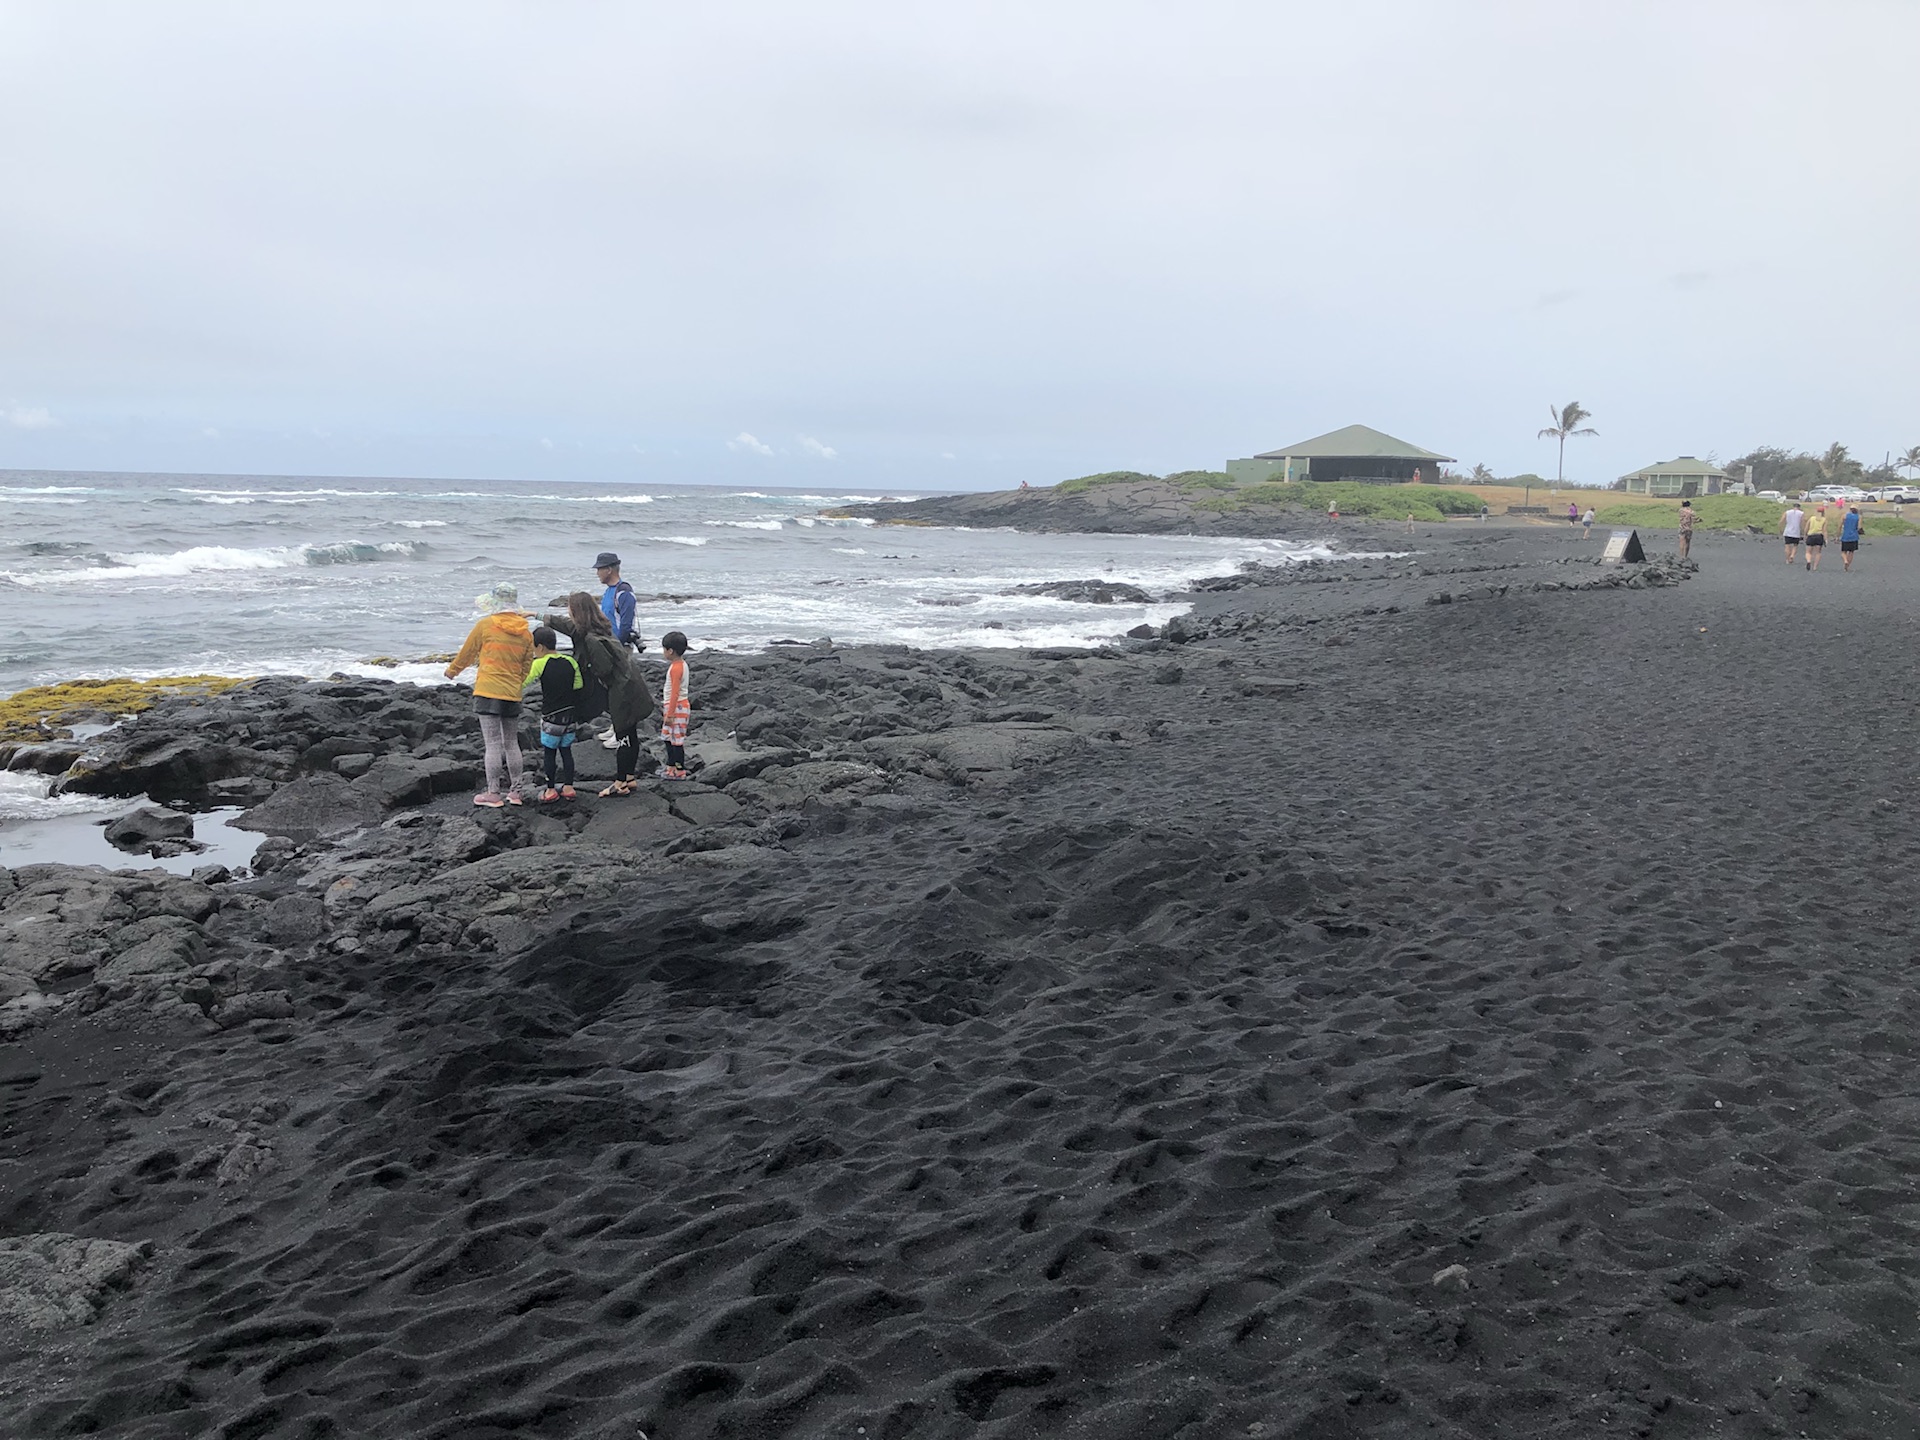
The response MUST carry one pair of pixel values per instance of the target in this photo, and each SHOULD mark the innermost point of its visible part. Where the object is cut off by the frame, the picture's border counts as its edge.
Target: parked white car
(1899, 495)
(1774, 495)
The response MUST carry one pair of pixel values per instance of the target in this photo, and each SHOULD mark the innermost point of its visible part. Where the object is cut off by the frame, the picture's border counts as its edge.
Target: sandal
(549, 795)
(566, 792)
(618, 787)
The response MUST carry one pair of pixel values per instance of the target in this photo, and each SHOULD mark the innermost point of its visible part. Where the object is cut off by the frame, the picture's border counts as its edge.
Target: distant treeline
(1774, 468)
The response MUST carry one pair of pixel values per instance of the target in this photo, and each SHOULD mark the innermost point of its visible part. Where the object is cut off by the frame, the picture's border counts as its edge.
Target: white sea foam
(847, 550)
(766, 524)
(26, 796)
(618, 499)
(682, 539)
(420, 524)
(210, 559)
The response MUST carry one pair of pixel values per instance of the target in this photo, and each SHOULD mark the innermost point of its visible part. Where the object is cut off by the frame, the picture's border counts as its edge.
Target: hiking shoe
(489, 798)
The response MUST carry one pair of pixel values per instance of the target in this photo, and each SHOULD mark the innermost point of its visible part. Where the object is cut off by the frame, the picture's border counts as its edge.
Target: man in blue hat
(616, 601)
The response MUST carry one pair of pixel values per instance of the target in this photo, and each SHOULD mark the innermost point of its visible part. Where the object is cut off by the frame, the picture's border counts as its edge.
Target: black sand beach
(1420, 1003)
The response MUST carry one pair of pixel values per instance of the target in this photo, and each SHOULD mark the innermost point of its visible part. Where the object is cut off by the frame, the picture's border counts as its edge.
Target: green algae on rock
(45, 712)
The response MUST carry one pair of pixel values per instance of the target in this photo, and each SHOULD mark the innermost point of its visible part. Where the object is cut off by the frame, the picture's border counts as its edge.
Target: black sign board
(1623, 545)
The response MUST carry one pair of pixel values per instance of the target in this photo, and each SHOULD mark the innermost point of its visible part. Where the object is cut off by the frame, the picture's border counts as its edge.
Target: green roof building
(1683, 477)
(1358, 453)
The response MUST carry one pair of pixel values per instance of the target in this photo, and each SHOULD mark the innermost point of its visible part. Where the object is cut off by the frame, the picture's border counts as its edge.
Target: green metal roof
(1685, 465)
(1353, 442)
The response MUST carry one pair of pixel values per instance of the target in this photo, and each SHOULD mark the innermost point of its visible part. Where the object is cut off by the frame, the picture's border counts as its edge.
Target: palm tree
(1566, 422)
(1483, 476)
(1910, 460)
(1835, 463)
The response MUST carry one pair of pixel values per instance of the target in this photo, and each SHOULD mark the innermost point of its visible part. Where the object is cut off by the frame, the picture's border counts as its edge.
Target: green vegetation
(1382, 502)
(44, 711)
(1181, 480)
(1729, 512)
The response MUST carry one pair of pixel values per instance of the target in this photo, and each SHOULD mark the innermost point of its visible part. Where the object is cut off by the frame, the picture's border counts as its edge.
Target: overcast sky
(944, 245)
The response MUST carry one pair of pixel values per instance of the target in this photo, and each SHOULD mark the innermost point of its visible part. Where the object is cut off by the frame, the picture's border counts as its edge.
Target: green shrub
(1081, 483)
(1203, 480)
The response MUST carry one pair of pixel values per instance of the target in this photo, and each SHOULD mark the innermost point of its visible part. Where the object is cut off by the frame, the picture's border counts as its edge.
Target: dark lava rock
(153, 831)
(314, 806)
(1090, 592)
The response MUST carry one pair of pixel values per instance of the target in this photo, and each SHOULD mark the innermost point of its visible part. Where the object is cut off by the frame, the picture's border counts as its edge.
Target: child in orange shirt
(675, 710)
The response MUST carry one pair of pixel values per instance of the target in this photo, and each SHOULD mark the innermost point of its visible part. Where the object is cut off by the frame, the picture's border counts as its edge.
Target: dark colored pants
(560, 759)
(676, 755)
(628, 755)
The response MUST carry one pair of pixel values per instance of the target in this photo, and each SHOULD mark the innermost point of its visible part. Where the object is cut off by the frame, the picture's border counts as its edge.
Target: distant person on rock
(676, 709)
(629, 702)
(1792, 525)
(1333, 509)
(1816, 528)
(561, 683)
(1687, 517)
(1483, 514)
(1849, 536)
(502, 650)
(1573, 513)
(1586, 523)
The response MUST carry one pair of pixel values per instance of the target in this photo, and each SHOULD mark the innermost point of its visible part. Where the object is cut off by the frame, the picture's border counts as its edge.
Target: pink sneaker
(489, 798)
(513, 798)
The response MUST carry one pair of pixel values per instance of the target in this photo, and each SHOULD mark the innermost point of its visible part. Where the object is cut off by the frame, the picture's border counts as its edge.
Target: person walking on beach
(1333, 509)
(1573, 513)
(629, 702)
(1687, 517)
(1791, 525)
(1483, 514)
(1816, 536)
(561, 685)
(1849, 536)
(501, 650)
(676, 710)
(1586, 524)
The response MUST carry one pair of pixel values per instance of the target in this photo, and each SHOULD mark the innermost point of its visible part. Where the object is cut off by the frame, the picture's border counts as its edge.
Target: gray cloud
(1061, 234)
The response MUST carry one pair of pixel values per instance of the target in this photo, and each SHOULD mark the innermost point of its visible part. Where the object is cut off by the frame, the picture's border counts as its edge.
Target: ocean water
(104, 575)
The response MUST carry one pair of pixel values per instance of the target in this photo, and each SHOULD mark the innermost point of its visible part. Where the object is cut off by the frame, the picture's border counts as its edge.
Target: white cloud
(546, 443)
(948, 455)
(30, 417)
(211, 433)
(747, 443)
(814, 447)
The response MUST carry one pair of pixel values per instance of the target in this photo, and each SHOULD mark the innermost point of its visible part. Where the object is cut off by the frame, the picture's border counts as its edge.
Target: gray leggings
(502, 736)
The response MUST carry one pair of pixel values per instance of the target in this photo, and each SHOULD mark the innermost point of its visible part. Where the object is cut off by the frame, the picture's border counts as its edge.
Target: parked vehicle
(1774, 495)
(1899, 495)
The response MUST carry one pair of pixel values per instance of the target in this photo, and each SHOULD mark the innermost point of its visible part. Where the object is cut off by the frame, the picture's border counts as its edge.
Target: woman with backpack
(610, 665)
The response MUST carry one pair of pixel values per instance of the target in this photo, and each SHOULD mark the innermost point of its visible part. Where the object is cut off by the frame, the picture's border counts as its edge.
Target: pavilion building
(1357, 453)
(1682, 478)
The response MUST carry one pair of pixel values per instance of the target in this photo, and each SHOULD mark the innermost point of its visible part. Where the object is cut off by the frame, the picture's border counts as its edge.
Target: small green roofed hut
(1358, 453)
(1684, 477)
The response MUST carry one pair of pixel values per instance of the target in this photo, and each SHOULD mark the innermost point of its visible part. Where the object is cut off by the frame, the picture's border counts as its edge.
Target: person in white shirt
(1793, 524)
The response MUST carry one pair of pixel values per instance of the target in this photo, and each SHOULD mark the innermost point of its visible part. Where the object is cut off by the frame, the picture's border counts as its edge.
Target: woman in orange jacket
(501, 645)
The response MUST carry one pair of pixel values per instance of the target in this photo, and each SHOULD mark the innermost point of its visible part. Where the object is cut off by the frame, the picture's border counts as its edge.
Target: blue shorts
(555, 737)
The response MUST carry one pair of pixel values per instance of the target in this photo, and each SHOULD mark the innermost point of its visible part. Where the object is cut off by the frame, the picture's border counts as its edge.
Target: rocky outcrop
(52, 1282)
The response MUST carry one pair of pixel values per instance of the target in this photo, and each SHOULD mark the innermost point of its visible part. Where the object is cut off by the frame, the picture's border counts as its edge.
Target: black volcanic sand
(1484, 1018)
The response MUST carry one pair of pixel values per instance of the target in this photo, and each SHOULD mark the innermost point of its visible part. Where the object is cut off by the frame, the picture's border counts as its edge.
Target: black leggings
(565, 764)
(676, 755)
(628, 755)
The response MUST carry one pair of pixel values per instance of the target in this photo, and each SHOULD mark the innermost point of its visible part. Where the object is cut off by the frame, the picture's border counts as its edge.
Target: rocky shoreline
(1194, 1034)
